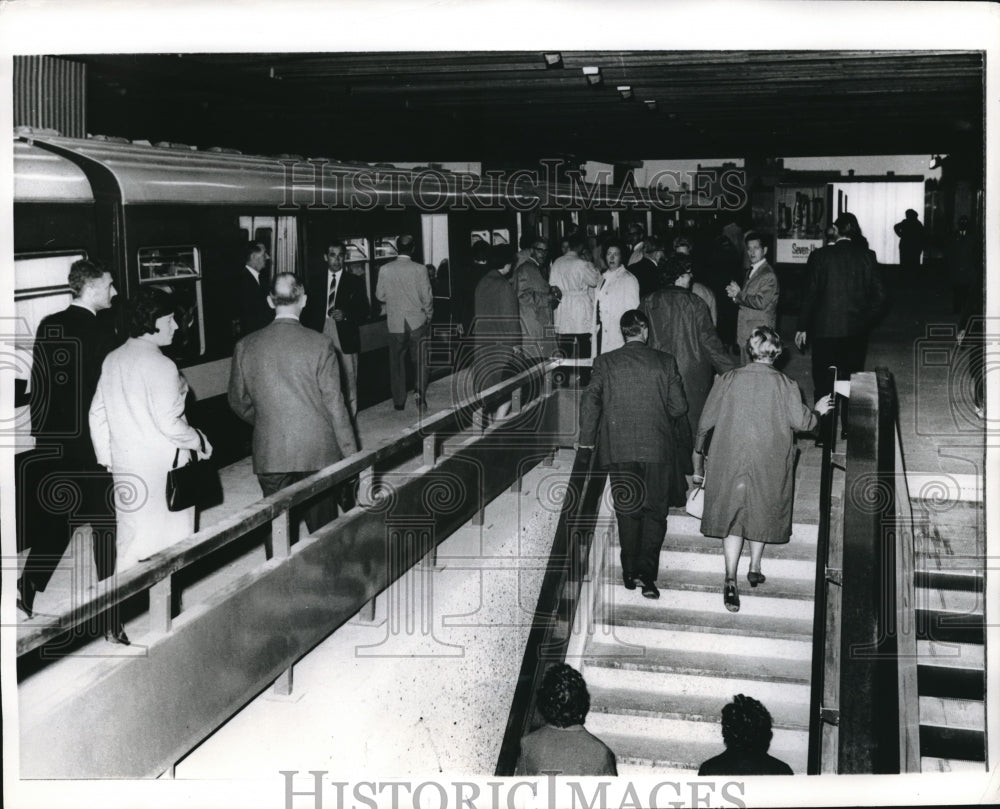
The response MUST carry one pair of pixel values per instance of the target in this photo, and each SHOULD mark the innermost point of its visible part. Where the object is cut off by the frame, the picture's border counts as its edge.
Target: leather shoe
(117, 635)
(25, 595)
(400, 407)
(731, 596)
(628, 580)
(755, 577)
(649, 590)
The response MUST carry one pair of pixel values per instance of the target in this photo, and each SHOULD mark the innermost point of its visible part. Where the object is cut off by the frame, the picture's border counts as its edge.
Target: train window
(177, 270)
(491, 237)
(40, 288)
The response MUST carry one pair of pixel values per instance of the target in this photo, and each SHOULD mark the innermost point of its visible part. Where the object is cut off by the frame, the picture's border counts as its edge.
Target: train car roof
(41, 176)
(147, 174)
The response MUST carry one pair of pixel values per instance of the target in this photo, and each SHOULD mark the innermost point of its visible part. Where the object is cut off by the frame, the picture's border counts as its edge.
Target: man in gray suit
(405, 288)
(285, 381)
(758, 298)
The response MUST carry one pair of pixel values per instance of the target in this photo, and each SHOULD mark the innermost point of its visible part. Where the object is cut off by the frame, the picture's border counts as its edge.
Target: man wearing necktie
(339, 314)
(254, 286)
(758, 298)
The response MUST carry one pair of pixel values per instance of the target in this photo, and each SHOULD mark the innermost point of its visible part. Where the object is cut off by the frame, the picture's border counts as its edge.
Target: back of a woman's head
(500, 256)
(563, 699)
(764, 343)
(147, 306)
(746, 725)
(847, 225)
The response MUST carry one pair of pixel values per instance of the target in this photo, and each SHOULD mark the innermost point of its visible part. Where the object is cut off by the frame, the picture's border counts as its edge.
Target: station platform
(425, 686)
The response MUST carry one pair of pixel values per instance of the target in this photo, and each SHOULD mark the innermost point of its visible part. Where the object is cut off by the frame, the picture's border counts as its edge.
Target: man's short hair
(147, 306)
(563, 699)
(254, 247)
(336, 243)
(500, 256)
(755, 236)
(674, 267)
(637, 228)
(405, 245)
(82, 272)
(746, 725)
(576, 240)
(286, 289)
(653, 244)
(632, 323)
(480, 252)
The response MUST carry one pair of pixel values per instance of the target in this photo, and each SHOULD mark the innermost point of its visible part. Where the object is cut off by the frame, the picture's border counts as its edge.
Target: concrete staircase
(950, 541)
(660, 671)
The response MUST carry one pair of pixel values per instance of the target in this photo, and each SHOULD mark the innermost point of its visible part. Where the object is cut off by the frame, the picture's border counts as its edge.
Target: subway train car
(180, 219)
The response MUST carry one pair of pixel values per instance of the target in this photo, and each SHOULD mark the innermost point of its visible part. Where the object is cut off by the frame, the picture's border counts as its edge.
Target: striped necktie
(332, 297)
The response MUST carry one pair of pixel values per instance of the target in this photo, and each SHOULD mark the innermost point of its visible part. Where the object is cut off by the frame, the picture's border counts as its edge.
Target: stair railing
(863, 699)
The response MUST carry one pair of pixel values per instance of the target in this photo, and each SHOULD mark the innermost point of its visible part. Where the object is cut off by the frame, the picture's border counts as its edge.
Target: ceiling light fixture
(553, 60)
(650, 103)
(625, 91)
(593, 75)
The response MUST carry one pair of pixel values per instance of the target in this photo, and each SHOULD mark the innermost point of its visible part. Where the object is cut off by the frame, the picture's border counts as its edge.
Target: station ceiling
(516, 107)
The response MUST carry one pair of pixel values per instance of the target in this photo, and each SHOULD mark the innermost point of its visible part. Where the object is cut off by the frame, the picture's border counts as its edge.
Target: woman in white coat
(137, 425)
(618, 292)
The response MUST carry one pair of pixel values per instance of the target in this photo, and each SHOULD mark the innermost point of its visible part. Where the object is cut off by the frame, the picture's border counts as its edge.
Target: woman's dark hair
(500, 256)
(612, 242)
(746, 725)
(673, 268)
(563, 699)
(148, 306)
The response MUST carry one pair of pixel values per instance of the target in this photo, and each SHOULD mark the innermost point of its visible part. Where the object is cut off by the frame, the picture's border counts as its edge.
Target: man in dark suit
(285, 381)
(634, 397)
(337, 308)
(843, 296)
(66, 364)
(758, 298)
(254, 312)
(646, 269)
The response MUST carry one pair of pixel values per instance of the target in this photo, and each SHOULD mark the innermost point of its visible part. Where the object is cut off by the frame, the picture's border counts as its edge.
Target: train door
(279, 234)
(465, 229)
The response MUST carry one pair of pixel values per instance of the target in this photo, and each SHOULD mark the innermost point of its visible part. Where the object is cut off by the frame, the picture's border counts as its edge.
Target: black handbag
(196, 483)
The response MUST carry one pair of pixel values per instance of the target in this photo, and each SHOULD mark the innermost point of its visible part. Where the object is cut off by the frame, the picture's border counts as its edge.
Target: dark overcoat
(750, 465)
(680, 324)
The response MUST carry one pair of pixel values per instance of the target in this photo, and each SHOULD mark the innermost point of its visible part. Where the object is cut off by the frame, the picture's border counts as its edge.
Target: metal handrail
(863, 699)
(154, 574)
(558, 601)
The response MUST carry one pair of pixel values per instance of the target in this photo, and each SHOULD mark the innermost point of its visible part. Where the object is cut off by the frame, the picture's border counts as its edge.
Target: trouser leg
(397, 368)
(628, 493)
(654, 519)
(421, 370)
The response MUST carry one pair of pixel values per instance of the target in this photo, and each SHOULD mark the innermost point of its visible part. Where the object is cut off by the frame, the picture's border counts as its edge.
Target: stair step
(957, 655)
(680, 523)
(689, 707)
(722, 687)
(948, 626)
(960, 743)
(680, 563)
(933, 764)
(681, 744)
(754, 602)
(957, 602)
(952, 682)
(711, 581)
(957, 578)
(802, 550)
(720, 621)
(967, 714)
(707, 664)
(636, 641)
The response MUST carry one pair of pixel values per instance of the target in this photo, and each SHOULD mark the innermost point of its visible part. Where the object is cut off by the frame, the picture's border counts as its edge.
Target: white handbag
(695, 504)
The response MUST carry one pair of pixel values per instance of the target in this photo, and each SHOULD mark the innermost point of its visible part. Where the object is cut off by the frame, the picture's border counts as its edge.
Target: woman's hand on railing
(824, 405)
